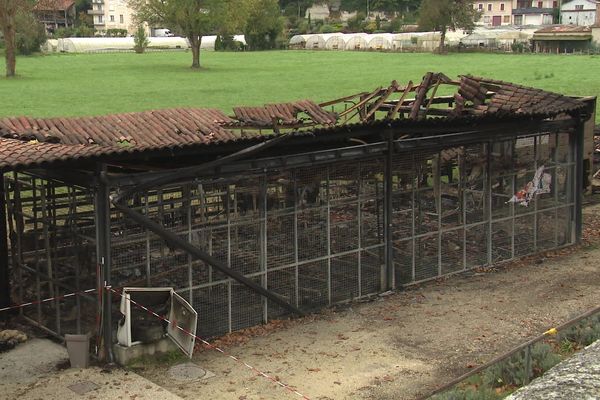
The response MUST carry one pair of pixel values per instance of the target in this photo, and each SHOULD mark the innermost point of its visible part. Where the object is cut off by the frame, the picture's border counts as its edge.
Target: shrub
(228, 43)
(116, 32)
(511, 372)
(356, 24)
(80, 31)
(470, 393)
(328, 29)
(84, 31)
(582, 334)
(31, 34)
(140, 40)
(517, 47)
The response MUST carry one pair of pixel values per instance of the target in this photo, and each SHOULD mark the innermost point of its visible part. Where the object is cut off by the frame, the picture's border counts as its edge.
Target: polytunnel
(240, 38)
(49, 46)
(167, 43)
(208, 42)
(357, 41)
(507, 38)
(104, 44)
(337, 42)
(429, 41)
(298, 41)
(481, 38)
(380, 41)
(407, 40)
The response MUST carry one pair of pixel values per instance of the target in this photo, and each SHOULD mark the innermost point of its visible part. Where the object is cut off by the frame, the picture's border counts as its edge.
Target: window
(501, 6)
(518, 20)
(490, 7)
(507, 19)
(480, 7)
(555, 4)
(540, 4)
(121, 19)
(100, 19)
(112, 18)
(579, 7)
(486, 19)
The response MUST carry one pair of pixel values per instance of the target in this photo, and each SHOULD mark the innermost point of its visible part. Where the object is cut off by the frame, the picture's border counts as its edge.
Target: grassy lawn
(92, 84)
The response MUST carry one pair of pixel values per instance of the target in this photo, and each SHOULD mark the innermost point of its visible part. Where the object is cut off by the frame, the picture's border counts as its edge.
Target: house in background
(562, 39)
(494, 12)
(55, 14)
(579, 12)
(596, 28)
(535, 12)
(112, 14)
(318, 12)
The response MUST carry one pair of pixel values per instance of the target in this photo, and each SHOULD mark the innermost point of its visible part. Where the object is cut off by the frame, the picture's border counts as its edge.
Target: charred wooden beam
(392, 89)
(364, 100)
(393, 111)
(342, 99)
(421, 93)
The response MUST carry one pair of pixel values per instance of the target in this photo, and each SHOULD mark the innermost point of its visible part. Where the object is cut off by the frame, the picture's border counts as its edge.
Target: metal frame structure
(295, 223)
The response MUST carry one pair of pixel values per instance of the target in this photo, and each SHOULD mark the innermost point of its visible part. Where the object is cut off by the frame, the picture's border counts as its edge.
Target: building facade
(55, 14)
(579, 12)
(112, 14)
(562, 39)
(535, 12)
(494, 12)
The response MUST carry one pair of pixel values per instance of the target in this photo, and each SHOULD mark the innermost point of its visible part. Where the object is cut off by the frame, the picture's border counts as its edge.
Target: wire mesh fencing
(53, 249)
(314, 235)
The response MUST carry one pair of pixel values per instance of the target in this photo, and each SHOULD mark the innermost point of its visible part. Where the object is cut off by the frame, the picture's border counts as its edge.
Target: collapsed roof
(27, 142)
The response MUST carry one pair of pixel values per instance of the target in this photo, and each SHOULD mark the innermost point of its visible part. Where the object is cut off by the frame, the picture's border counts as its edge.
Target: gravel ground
(405, 344)
(399, 346)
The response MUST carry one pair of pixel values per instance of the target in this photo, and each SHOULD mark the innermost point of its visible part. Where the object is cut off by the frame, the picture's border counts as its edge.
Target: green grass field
(93, 84)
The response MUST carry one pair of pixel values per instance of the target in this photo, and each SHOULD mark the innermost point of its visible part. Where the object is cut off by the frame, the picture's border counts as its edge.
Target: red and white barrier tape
(31, 303)
(213, 347)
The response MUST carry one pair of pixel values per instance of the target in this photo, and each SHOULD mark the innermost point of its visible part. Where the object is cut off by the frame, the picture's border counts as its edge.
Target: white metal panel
(182, 314)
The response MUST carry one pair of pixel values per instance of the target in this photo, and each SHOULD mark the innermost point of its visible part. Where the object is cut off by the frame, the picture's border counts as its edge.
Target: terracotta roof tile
(28, 142)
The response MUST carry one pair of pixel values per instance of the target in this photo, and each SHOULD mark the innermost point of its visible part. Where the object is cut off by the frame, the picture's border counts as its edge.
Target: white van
(163, 33)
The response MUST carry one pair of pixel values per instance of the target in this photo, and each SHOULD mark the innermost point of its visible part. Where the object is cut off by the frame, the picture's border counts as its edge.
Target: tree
(264, 25)
(8, 23)
(441, 15)
(295, 8)
(192, 18)
(30, 34)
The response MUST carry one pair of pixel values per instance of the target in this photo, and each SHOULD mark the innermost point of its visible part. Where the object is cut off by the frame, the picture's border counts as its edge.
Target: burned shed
(284, 208)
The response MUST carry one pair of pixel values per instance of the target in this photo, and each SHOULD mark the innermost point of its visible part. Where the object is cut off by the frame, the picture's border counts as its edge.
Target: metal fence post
(579, 144)
(102, 206)
(4, 264)
(527, 365)
(389, 281)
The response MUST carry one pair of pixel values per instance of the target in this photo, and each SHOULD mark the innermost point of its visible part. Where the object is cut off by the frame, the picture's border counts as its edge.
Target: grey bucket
(78, 347)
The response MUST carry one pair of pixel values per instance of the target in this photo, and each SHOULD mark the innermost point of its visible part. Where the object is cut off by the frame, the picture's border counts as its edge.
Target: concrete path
(29, 372)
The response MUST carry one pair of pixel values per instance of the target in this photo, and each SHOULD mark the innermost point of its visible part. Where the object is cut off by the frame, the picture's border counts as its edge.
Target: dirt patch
(403, 345)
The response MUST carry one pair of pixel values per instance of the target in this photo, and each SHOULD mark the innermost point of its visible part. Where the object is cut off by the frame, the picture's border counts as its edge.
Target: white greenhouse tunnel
(424, 41)
(106, 44)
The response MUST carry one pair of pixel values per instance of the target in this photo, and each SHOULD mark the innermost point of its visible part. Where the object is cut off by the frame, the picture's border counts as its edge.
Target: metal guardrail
(527, 346)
